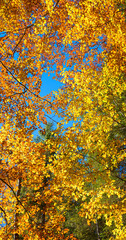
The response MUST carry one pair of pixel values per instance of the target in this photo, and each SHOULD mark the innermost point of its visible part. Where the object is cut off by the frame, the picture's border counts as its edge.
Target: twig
(24, 86)
(31, 25)
(120, 178)
(5, 217)
(17, 198)
(51, 118)
(56, 4)
(19, 41)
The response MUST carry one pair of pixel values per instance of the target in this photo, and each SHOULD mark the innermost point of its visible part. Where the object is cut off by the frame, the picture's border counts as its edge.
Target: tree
(84, 42)
(93, 133)
(32, 211)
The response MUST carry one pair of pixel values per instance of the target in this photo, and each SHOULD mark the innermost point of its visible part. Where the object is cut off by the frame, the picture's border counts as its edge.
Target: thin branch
(30, 27)
(120, 178)
(24, 86)
(50, 118)
(19, 41)
(119, 110)
(5, 217)
(20, 93)
(17, 198)
(56, 4)
(13, 192)
(33, 24)
(29, 98)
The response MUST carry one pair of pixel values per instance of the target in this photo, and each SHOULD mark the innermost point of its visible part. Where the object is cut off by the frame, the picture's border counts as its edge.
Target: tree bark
(16, 235)
(97, 230)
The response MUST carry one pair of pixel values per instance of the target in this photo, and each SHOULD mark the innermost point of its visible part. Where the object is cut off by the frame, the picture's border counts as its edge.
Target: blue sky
(49, 84)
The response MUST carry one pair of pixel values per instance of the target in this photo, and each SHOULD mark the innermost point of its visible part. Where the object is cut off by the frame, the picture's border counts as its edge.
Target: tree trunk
(97, 229)
(16, 235)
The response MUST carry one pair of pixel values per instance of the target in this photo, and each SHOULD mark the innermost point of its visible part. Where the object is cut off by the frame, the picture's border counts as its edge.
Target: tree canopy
(83, 44)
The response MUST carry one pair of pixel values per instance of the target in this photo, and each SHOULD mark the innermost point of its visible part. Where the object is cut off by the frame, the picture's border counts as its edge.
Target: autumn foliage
(84, 44)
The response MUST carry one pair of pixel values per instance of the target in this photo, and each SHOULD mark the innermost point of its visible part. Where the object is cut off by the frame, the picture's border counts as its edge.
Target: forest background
(69, 183)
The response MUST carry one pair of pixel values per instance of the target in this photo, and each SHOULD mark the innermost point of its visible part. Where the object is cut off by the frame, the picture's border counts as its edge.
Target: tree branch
(16, 196)
(19, 41)
(5, 217)
(24, 86)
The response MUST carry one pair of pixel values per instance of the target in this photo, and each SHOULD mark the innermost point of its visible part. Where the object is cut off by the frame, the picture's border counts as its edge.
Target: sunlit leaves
(83, 42)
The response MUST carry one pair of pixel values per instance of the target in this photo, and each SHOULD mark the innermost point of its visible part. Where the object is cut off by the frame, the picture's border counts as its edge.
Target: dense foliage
(69, 184)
